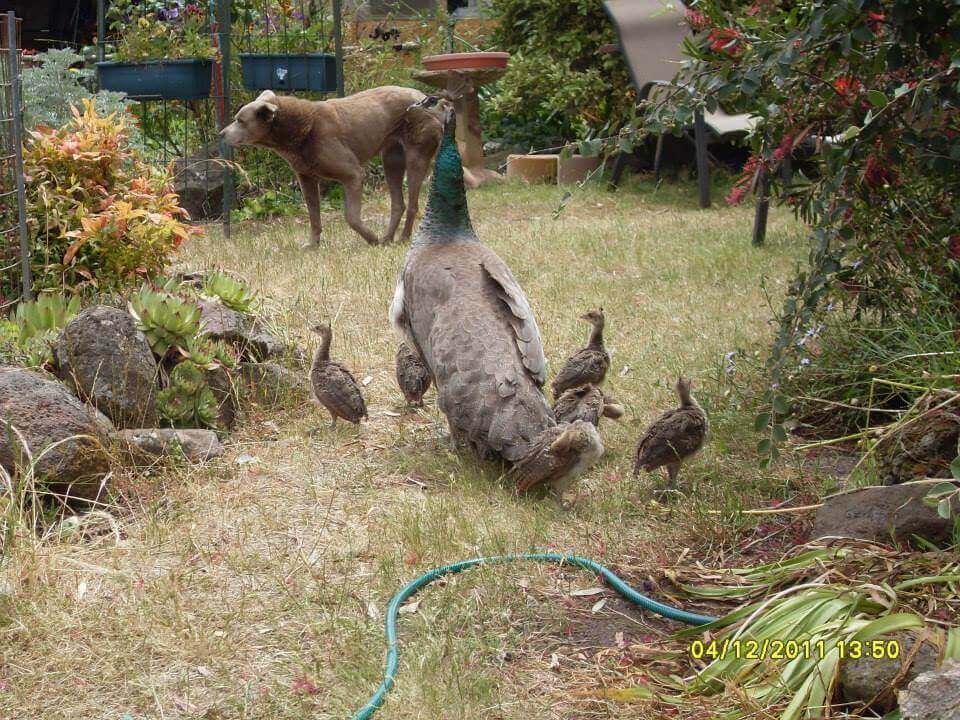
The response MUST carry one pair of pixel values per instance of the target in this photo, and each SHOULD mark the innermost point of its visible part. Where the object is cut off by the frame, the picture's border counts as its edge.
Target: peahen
(674, 437)
(334, 386)
(458, 303)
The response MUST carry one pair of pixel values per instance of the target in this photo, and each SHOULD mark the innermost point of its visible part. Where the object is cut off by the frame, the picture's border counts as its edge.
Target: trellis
(15, 281)
(190, 110)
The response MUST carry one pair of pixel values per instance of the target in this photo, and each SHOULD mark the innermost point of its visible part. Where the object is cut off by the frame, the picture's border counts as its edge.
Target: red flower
(846, 86)
(726, 40)
(739, 190)
(696, 19)
(784, 148)
(878, 172)
(875, 20)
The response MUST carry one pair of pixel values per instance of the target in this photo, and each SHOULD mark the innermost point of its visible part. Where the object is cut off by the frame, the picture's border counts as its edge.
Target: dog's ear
(267, 111)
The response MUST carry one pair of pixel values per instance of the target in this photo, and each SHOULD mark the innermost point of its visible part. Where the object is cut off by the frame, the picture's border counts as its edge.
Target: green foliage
(188, 401)
(168, 321)
(268, 204)
(100, 217)
(52, 85)
(560, 86)
(48, 313)
(235, 294)
(872, 87)
(155, 30)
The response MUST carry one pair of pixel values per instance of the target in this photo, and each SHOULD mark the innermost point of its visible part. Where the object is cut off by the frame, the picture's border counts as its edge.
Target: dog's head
(252, 124)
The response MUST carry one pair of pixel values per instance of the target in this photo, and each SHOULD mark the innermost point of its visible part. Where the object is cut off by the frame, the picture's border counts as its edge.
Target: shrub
(156, 30)
(100, 216)
(872, 87)
(560, 86)
(52, 85)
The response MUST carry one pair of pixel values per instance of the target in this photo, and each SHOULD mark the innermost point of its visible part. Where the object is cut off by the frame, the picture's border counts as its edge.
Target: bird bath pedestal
(461, 74)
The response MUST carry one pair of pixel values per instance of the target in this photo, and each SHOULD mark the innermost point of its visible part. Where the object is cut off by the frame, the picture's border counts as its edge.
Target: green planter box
(314, 72)
(157, 79)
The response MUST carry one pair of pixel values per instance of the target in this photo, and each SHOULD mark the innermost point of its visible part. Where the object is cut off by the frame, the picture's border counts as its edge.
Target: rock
(44, 412)
(247, 333)
(933, 695)
(922, 448)
(270, 383)
(220, 381)
(881, 513)
(875, 680)
(108, 361)
(146, 444)
(198, 181)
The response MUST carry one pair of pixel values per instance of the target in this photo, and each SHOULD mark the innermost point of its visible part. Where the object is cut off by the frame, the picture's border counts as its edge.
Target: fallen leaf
(373, 612)
(409, 608)
(586, 592)
(624, 370)
(598, 605)
(81, 589)
(554, 661)
(391, 413)
(246, 460)
(367, 380)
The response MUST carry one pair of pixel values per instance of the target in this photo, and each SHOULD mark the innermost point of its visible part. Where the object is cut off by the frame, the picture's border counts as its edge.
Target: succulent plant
(167, 320)
(188, 401)
(49, 312)
(209, 354)
(233, 293)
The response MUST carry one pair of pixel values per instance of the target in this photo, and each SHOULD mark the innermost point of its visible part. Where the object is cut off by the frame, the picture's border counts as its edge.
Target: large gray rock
(249, 334)
(874, 681)
(270, 383)
(108, 361)
(220, 382)
(146, 444)
(933, 695)
(882, 513)
(199, 181)
(44, 412)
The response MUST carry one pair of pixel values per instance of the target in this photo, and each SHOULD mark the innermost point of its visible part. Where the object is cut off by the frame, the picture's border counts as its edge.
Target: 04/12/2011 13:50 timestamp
(747, 649)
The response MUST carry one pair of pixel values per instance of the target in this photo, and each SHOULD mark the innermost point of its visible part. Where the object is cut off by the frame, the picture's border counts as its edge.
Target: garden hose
(393, 650)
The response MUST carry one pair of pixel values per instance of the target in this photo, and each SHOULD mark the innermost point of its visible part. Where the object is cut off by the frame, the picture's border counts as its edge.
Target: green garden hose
(393, 648)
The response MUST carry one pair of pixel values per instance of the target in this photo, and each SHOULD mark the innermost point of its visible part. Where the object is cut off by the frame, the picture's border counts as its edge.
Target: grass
(256, 590)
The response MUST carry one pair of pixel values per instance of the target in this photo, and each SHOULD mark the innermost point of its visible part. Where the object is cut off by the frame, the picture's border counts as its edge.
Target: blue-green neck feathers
(447, 218)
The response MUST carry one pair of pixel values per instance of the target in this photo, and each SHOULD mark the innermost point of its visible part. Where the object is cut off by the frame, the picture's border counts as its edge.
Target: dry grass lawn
(253, 587)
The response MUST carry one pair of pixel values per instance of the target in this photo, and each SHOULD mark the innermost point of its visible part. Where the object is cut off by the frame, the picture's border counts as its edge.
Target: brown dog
(334, 139)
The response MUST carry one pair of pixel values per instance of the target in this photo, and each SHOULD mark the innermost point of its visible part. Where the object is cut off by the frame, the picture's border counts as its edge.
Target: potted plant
(163, 50)
(284, 44)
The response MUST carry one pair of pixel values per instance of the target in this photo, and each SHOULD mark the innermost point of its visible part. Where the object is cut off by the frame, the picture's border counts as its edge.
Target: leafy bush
(188, 401)
(52, 85)
(99, 215)
(871, 86)
(560, 86)
(158, 30)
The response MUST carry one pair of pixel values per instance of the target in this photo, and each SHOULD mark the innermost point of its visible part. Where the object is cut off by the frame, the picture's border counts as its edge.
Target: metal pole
(18, 154)
(226, 152)
(101, 30)
(762, 209)
(338, 42)
(703, 167)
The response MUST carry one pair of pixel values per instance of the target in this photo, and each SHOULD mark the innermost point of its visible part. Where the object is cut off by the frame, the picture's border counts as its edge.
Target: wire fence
(15, 282)
(234, 50)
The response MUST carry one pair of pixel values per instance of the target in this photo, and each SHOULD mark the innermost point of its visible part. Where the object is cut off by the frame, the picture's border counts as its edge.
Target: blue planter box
(315, 72)
(157, 79)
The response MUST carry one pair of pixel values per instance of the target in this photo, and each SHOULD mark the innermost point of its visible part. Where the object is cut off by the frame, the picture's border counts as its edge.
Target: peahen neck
(447, 218)
(596, 336)
(322, 354)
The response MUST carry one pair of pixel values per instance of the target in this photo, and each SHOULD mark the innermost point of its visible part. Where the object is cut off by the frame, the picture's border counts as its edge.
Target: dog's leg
(394, 166)
(353, 200)
(310, 187)
(418, 165)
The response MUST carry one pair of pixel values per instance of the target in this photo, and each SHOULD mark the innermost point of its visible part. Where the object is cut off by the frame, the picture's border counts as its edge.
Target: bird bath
(461, 74)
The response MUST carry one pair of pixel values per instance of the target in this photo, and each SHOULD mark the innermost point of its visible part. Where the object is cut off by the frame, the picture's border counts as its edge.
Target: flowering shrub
(157, 30)
(100, 217)
(864, 96)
